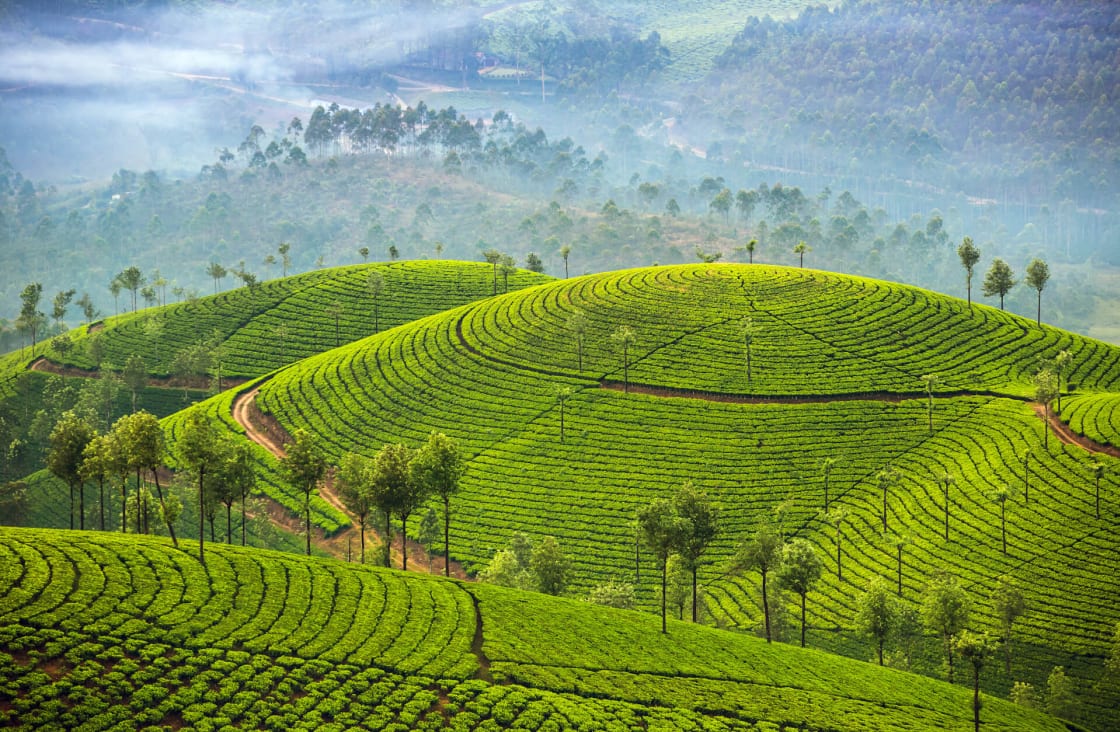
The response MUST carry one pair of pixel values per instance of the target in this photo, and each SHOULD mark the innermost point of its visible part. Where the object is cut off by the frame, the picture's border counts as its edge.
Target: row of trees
(1000, 278)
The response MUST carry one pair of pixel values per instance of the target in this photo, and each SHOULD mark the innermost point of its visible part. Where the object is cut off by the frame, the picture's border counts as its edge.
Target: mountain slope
(102, 630)
(836, 373)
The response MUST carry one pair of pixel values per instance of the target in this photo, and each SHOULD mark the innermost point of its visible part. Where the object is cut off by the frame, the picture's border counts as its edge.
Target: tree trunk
(386, 550)
(229, 523)
(802, 619)
(694, 593)
(839, 537)
(446, 537)
(101, 500)
(1046, 427)
(949, 649)
(946, 512)
(664, 582)
(201, 515)
(626, 371)
(976, 699)
(881, 639)
(139, 509)
(71, 506)
(307, 518)
(163, 507)
(243, 496)
(124, 505)
(404, 541)
(766, 607)
(210, 520)
(362, 535)
(1038, 322)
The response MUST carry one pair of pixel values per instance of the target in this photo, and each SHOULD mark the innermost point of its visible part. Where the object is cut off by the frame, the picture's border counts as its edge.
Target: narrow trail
(45, 365)
(269, 434)
(1069, 437)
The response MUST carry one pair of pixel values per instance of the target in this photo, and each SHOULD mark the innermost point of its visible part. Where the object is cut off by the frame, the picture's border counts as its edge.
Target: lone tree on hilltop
(877, 614)
(703, 527)
(800, 250)
(565, 252)
(975, 649)
(439, 467)
(945, 610)
(1038, 273)
(750, 248)
(493, 257)
(1045, 391)
(799, 570)
(763, 552)
(355, 490)
(1009, 605)
(625, 337)
(969, 255)
(661, 529)
(304, 467)
(999, 280)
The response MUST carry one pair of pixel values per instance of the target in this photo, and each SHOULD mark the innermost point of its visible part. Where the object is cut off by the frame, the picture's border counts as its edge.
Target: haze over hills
(343, 164)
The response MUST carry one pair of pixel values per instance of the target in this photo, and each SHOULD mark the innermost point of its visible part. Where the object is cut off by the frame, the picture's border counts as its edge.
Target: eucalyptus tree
(97, 467)
(375, 283)
(565, 252)
(1061, 362)
(799, 570)
(242, 476)
(217, 272)
(1038, 274)
(395, 491)
(284, 250)
(899, 542)
(493, 257)
(148, 449)
(947, 481)
(827, 464)
(1009, 605)
(1098, 472)
(438, 466)
(836, 518)
(563, 394)
(68, 440)
(750, 248)
(945, 610)
(800, 250)
(876, 615)
(703, 526)
(198, 448)
(763, 552)
(975, 649)
(1045, 391)
(930, 382)
(624, 337)
(999, 280)
(661, 529)
(969, 256)
(355, 489)
(507, 266)
(1001, 496)
(304, 467)
(132, 279)
(335, 312)
(887, 478)
(1025, 456)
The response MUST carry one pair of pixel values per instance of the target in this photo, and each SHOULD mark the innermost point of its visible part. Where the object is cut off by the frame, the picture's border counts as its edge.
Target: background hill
(254, 639)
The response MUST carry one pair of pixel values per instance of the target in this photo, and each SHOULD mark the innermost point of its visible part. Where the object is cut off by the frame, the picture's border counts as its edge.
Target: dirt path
(45, 365)
(1068, 436)
(269, 434)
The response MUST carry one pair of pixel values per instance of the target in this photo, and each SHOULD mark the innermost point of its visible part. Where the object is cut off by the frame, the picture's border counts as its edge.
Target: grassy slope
(819, 334)
(102, 630)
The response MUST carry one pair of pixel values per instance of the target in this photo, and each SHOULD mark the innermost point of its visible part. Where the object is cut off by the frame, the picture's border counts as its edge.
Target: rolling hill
(837, 372)
(100, 631)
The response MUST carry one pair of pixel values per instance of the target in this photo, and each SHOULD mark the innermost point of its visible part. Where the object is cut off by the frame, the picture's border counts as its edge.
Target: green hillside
(100, 631)
(837, 365)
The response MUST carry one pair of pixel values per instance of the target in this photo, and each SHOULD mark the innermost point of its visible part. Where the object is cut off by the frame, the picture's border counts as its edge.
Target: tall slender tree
(304, 467)
(1045, 391)
(945, 610)
(899, 542)
(69, 439)
(149, 450)
(389, 479)
(799, 570)
(930, 381)
(877, 614)
(355, 489)
(661, 529)
(197, 447)
(763, 552)
(96, 468)
(1009, 604)
(1038, 274)
(703, 526)
(493, 257)
(1098, 473)
(242, 477)
(624, 337)
(563, 394)
(565, 252)
(800, 250)
(1025, 455)
(577, 324)
(1001, 496)
(439, 467)
(969, 256)
(975, 649)
(999, 280)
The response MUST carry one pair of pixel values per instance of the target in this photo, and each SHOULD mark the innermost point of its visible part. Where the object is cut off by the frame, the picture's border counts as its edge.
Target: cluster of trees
(1026, 99)
(1000, 277)
(541, 566)
(136, 447)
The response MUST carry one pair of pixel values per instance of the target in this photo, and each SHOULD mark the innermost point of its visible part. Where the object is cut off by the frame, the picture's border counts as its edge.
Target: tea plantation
(837, 372)
(101, 631)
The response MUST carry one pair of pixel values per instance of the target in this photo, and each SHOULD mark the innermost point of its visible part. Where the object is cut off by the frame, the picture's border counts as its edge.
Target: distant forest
(1017, 97)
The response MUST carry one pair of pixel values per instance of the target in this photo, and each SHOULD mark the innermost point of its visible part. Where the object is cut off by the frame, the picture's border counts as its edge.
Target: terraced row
(284, 320)
(815, 333)
(100, 632)
(1096, 416)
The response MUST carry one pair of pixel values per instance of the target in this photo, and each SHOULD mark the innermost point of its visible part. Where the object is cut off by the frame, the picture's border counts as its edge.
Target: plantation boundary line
(45, 365)
(477, 641)
(1066, 434)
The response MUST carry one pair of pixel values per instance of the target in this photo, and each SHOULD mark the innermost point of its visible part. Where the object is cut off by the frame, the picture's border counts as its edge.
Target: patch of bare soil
(1068, 436)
